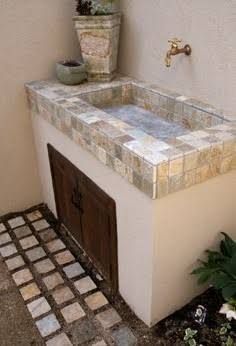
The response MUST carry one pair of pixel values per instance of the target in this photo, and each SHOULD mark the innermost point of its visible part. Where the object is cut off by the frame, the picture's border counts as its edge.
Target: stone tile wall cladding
(156, 167)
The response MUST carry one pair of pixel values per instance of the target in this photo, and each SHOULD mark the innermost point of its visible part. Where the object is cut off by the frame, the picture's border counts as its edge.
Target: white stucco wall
(208, 26)
(134, 214)
(33, 36)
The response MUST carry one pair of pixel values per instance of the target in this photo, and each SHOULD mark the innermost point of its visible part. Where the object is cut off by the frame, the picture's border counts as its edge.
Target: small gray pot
(71, 72)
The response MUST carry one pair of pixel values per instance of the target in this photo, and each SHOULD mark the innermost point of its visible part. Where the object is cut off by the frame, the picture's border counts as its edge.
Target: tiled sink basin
(160, 141)
(148, 111)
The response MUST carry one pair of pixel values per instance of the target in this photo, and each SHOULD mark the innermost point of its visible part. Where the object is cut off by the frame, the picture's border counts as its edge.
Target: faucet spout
(175, 50)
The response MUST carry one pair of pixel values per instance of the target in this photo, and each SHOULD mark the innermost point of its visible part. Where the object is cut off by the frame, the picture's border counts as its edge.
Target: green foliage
(220, 268)
(95, 7)
(189, 337)
(229, 342)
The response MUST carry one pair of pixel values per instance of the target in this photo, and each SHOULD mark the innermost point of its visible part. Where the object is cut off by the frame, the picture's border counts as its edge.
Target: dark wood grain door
(88, 213)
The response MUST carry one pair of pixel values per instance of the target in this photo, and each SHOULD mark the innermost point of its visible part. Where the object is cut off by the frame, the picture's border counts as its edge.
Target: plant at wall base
(95, 7)
(220, 271)
(189, 337)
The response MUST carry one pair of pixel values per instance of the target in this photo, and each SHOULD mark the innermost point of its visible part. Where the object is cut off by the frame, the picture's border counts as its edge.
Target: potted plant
(98, 29)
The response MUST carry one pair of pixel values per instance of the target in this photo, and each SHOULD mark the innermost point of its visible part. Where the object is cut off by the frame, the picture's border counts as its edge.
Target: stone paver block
(48, 325)
(38, 307)
(8, 250)
(35, 254)
(62, 295)
(22, 231)
(34, 215)
(53, 281)
(59, 340)
(85, 285)
(99, 343)
(28, 242)
(64, 257)
(72, 312)
(55, 245)
(30, 291)
(2, 228)
(4, 238)
(22, 276)
(16, 222)
(48, 235)
(96, 300)
(41, 224)
(108, 318)
(124, 337)
(15, 262)
(73, 270)
(44, 266)
(82, 331)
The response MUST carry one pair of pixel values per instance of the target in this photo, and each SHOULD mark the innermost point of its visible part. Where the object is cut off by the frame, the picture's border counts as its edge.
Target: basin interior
(159, 116)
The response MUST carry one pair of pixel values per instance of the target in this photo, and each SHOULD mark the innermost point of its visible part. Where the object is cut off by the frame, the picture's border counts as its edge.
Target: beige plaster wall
(134, 214)
(33, 35)
(187, 223)
(208, 26)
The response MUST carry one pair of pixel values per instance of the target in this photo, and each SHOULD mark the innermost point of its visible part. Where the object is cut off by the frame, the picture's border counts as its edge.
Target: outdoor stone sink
(160, 141)
(165, 159)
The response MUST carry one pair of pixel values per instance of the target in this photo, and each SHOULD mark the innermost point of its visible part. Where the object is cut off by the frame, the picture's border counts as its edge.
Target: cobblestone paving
(64, 301)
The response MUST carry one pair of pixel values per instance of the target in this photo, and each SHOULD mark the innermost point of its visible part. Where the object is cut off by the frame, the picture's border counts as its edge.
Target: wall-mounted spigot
(174, 50)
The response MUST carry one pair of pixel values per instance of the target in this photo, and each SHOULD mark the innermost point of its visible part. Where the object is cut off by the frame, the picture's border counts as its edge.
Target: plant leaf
(229, 291)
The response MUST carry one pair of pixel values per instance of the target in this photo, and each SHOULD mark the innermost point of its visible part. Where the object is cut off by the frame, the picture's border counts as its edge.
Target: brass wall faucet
(174, 50)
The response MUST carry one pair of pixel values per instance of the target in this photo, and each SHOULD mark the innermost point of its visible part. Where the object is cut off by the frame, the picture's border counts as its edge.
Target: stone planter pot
(71, 72)
(99, 41)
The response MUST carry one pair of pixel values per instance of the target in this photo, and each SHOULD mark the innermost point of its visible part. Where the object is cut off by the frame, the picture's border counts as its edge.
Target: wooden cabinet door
(65, 183)
(88, 213)
(99, 230)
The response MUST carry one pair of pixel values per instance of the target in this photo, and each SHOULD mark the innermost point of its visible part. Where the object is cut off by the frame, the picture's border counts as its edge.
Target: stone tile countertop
(199, 143)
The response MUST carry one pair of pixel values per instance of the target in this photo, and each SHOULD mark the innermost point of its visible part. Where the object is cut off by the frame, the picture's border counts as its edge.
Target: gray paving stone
(96, 300)
(41, 224)
(59, 340)
(30, 291)
(16, 222)
(38, 307)
(73, 270)
(85, 285)
(108, 318)
(35, 254)
(22, 276)
(44, 266)
(22, 231)
(53, 280)
(124, 337)
(15, 262)
(62, 295)
(2, 228)
(55, 245)
(48, 325)
(48, 235)
(99, 343)
(82, 331)
(64, 257)
(8, 250)
(5, 238)
(72, 312)
(28, 242)
(34, 215)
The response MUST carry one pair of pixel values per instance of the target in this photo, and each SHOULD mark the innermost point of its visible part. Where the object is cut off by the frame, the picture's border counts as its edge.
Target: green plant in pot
(98, 27)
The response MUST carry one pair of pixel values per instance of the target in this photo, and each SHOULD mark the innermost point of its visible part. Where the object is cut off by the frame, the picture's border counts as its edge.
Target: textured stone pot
(99, 42)
(71, 72)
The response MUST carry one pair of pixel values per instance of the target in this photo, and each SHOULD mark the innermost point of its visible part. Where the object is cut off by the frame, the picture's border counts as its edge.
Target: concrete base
(159, 241)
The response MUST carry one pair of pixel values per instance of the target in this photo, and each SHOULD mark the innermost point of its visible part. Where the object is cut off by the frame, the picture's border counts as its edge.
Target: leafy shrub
(220, 268)
(95, 7)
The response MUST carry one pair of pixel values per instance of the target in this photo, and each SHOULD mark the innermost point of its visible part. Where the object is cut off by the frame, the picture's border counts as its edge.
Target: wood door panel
(88, 213)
